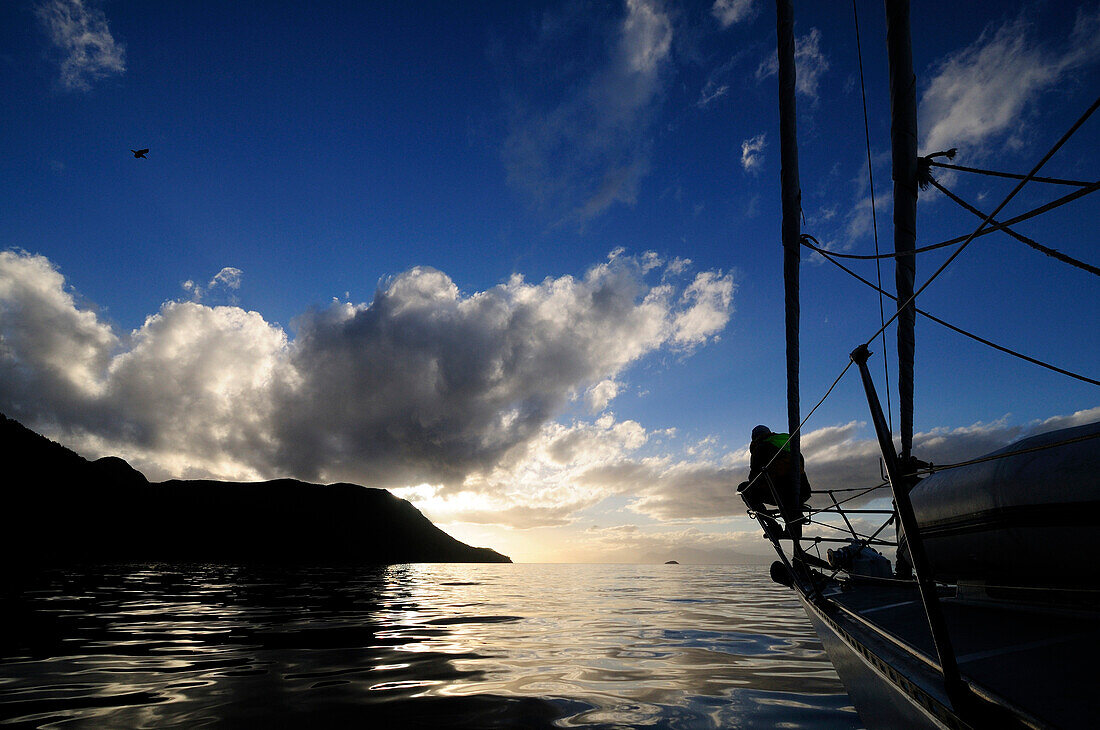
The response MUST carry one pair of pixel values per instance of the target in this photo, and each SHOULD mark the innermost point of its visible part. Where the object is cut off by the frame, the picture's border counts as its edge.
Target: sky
(519, 262)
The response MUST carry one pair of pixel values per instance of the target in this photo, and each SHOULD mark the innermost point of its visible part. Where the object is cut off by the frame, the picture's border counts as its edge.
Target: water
(432, 646)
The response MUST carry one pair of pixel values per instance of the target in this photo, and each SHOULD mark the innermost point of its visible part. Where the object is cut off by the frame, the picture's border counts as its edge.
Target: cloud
(580, 156)
(752, 153)
(982, 91)
(228, 277)
(81, 33)
(842, 231)
(810, 64)
(729, 12)
(837, 457)
(599, 395)
(225, 281)
(680, 490)
(451, 399)
(540, 483)
(569, 469)
(859, 220)
(704, 309)
(422, 385)
(688, 545)
(710, 92)
(45, 336)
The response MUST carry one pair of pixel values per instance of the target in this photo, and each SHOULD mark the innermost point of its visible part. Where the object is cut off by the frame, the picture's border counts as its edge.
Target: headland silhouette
(60, 507)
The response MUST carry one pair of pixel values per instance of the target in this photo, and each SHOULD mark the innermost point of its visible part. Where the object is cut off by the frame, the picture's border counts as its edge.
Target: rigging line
(874, 216)
(962, 247)
(1093, 187)
(862, 492)
(1023, 239)
(1013, 175)
(937, 320)
(860, 537)
(994, 457)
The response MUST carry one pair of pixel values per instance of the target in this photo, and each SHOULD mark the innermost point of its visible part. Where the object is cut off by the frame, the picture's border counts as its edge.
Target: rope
(828, 256)
(1008, 198)
(1024, 239)
(1014, 176)
(874, 216)
(1092, 188)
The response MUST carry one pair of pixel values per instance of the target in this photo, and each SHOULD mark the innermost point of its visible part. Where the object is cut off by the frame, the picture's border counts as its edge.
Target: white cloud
(981, 92)
(677, 266)
(422, 385)
(599, 395)
(229, 277)
(752, 153)
(225, 281)
(710, 92)
(704, 310)
(590, 150)
(646, 36)
(44, 335)
(192, 393)
(82, 35)
(810, 64)
(729, 12)
(859, 222)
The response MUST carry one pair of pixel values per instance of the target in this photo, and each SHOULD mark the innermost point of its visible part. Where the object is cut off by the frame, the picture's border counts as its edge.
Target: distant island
(672, 562)
(60, 507)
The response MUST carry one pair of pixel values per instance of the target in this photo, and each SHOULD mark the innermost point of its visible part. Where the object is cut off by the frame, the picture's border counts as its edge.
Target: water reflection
(422, 645)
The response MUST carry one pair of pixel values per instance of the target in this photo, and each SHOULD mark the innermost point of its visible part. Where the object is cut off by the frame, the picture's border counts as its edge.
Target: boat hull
(880, 701)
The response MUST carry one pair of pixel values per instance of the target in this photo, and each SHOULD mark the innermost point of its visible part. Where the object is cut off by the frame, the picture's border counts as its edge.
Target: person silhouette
(770, 453)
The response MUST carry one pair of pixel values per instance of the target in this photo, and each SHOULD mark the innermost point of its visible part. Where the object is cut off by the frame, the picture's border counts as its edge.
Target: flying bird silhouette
(140, 153)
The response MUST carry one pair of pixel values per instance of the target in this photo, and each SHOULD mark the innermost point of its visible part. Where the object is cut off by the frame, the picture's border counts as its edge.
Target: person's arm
(761, 453)
(754, 461)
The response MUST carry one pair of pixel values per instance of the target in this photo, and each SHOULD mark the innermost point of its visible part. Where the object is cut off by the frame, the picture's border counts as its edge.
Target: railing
(769, 520)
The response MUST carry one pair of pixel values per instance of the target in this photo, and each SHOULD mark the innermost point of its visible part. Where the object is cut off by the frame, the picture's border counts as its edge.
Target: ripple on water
(455, 646)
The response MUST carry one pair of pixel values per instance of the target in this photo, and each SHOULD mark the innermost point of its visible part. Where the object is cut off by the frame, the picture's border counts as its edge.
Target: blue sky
(518, 262)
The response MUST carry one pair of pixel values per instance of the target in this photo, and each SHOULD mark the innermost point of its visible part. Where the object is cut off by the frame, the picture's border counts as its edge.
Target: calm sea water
(433, 646)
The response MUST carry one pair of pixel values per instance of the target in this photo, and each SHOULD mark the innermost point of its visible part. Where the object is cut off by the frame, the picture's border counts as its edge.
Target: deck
(1042, 660)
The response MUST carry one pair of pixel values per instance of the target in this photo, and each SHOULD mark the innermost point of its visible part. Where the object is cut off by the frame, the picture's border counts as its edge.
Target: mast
(791, 228)
(903, 141)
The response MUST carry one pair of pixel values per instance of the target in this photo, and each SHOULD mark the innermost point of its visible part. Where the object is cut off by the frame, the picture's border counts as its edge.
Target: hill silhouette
(57, 506)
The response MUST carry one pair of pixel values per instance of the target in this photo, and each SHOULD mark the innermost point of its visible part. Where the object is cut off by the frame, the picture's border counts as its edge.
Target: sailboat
(990, 615)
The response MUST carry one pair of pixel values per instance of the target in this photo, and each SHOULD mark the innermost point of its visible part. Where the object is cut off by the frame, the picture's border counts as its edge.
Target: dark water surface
(436, 645)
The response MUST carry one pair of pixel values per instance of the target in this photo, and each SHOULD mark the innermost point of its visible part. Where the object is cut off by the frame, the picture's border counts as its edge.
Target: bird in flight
(140, 153)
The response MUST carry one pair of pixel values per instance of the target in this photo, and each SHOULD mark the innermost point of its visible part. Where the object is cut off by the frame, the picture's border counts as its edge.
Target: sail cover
(1026, 519)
